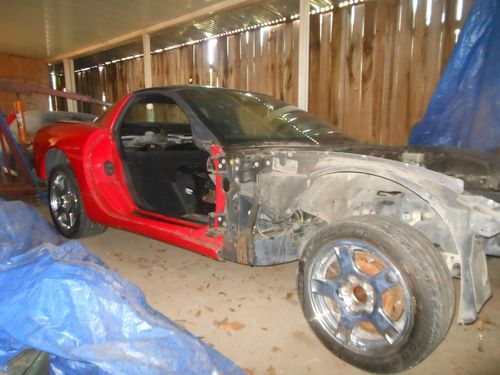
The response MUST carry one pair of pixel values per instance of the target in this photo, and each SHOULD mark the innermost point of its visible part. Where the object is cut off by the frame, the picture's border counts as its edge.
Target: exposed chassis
(300, 191)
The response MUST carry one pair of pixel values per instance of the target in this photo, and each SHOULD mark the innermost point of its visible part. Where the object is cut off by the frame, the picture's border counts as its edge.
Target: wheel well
(54, 157)
(354, 194)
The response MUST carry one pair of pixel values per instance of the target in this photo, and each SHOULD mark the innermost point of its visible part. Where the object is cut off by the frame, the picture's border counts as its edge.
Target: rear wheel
(376, 292)
(66, 206)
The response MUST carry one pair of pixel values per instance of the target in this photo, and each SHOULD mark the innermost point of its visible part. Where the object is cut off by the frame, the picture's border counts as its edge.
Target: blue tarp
(65, 301)
(22, 228)
(465, 108)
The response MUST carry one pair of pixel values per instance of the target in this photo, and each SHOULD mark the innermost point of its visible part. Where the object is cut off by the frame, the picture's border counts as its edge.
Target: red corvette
(245, 177)
(89, 183)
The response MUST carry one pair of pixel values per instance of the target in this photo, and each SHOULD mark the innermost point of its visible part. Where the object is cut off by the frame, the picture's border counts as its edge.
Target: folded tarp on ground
(21, 229)
(63, 300)
(465, 108)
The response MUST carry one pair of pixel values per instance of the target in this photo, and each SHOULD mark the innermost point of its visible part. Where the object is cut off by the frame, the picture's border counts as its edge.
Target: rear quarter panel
(73, 140)
(68, 137)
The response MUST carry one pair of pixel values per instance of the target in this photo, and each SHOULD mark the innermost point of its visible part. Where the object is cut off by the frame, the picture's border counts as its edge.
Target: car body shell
(287, 180)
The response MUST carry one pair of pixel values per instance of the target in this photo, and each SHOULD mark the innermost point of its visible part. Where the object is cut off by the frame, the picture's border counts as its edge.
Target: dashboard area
(158, 136)
(152, 140)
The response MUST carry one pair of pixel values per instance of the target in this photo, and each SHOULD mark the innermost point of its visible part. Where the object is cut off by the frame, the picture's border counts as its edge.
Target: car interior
(166, 172)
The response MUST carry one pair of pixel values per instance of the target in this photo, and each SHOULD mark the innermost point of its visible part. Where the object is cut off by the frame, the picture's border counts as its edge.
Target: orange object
(24, 137)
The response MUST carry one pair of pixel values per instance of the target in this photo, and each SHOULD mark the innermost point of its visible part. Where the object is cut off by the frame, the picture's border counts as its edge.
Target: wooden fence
(373, 66)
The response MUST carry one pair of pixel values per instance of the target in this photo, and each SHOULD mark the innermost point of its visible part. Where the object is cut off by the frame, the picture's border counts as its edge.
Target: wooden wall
(109, 83)
(262, 60)
(26, 69)
(373, 67)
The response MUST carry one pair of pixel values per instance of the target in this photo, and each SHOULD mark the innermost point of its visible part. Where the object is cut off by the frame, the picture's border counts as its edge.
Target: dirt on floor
(252, 314)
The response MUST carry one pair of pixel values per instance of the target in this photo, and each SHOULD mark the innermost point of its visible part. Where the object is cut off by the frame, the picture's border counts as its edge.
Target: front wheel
(376, 292)
(66, 206)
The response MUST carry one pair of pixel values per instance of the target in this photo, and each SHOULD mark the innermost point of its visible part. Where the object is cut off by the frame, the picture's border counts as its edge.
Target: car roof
(183, 87)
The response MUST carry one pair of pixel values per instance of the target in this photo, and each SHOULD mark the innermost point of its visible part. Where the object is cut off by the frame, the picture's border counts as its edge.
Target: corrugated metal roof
(47, 29)
(253, 15)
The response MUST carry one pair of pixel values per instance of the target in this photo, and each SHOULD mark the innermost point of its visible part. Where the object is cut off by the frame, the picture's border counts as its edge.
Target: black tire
(417, 270)
(65, 201)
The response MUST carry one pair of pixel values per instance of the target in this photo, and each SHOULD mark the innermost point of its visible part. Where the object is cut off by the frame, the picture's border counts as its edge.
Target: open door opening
(166, 172)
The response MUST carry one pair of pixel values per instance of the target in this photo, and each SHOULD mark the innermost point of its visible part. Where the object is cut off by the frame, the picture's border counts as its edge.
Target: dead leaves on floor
(292, 298)
(203, 287)
(271, 371)
(482, 325)
(227, 325)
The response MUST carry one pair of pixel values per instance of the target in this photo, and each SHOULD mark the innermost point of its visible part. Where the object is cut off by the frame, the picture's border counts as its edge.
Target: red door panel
(105, 175)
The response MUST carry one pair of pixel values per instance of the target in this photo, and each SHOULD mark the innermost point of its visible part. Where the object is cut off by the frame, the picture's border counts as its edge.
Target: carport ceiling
(96, 31)
(202, 27)
(50, 28)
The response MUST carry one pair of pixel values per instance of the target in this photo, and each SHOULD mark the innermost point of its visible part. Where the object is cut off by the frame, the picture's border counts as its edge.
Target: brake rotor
(392, 299)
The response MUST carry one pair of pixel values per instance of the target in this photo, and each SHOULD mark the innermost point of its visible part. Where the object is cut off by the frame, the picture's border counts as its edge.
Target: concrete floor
(252, 314)
(253, 317)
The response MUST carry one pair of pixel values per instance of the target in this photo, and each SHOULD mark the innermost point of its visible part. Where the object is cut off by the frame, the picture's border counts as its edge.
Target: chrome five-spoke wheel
(376, 292)
(63, 201)
(66, 206)
(360, 298)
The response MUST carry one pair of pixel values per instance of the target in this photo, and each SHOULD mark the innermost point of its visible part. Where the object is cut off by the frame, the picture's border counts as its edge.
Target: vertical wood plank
(386, 28)
(368, 87)
(245, 60)
(353, 71)
(432, 58)
(314, 62)
(295, 87)
(399, 95)
(287, 62)
(417, 64)
(234, 62)
(337, 58)
(324, 92)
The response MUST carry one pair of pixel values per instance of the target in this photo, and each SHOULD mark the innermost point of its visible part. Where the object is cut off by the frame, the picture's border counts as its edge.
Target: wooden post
(70, 85)
(146, 48)
(304, 30)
